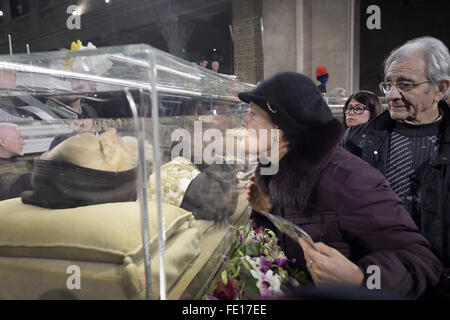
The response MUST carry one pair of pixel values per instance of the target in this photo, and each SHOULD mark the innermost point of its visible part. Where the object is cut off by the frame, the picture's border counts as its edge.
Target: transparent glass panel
(96, 161)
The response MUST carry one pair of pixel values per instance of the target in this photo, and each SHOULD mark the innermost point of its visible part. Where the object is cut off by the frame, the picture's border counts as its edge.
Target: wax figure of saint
(83, 170)
(87, 169)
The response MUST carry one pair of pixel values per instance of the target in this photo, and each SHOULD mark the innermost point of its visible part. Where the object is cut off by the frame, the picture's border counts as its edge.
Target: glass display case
(121, 174)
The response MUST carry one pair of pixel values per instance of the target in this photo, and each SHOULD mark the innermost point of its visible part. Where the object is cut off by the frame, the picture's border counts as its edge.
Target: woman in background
(361, 107)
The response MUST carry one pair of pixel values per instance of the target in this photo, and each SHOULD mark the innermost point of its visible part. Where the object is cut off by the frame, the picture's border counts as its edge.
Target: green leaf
(251, 290)
(236, 273)
(224, 277)
(300, 276)
(233, 248)
(241, 291)
(237, 228)
(245, 272)
(246, 265)
(270, 232)
(232, 267)
(252, 249)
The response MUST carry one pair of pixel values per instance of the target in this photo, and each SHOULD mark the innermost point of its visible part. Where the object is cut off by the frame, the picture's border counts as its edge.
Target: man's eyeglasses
(405, 85)
(356, 109)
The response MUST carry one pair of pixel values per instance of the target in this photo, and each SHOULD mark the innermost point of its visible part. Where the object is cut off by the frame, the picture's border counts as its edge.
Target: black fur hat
(292, 101)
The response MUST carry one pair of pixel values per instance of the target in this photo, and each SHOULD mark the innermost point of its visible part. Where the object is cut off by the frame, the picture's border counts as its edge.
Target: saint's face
(106, 152)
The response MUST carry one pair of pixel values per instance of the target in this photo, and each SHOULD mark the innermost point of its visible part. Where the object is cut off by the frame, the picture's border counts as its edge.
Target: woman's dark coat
(343, 202)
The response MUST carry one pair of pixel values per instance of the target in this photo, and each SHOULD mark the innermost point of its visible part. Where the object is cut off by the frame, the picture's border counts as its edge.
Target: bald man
(11, 141)
(12, 182)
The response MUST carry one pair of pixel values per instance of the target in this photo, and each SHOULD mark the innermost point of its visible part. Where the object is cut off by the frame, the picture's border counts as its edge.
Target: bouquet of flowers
(256, 268)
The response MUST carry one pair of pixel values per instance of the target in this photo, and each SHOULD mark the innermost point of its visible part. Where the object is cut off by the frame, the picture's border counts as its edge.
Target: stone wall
(247, 41)
(331, 41)
(299, 35)
(280, 36)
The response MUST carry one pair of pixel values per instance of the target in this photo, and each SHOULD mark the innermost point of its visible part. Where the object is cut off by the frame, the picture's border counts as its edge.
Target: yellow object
(40, 278)
(176, 176)
(105, 152)
(76, 45)
(102, 233)
(93, 238)
(97, 64)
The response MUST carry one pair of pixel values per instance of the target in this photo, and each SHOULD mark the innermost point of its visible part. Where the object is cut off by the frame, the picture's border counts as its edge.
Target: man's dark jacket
(345, 203)
(371, 143)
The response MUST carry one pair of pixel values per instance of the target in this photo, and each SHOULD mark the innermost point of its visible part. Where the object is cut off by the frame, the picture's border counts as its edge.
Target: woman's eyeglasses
(356, 109)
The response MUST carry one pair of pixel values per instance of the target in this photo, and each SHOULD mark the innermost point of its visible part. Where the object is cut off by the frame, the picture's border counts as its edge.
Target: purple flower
(281, 261)
(284, 261)
(211, 298)
(258, 229)
(241, 238)
(264, 265)
(265, 290)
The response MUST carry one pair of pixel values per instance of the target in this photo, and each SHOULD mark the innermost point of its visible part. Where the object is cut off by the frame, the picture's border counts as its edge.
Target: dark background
(401, 20)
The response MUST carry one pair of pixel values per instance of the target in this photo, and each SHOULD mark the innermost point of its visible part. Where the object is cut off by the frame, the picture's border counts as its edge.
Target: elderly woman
(354, 218)
(361, 107)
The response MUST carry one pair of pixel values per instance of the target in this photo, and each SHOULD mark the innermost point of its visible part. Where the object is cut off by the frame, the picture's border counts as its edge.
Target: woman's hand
(329, 267)
(257, 199)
